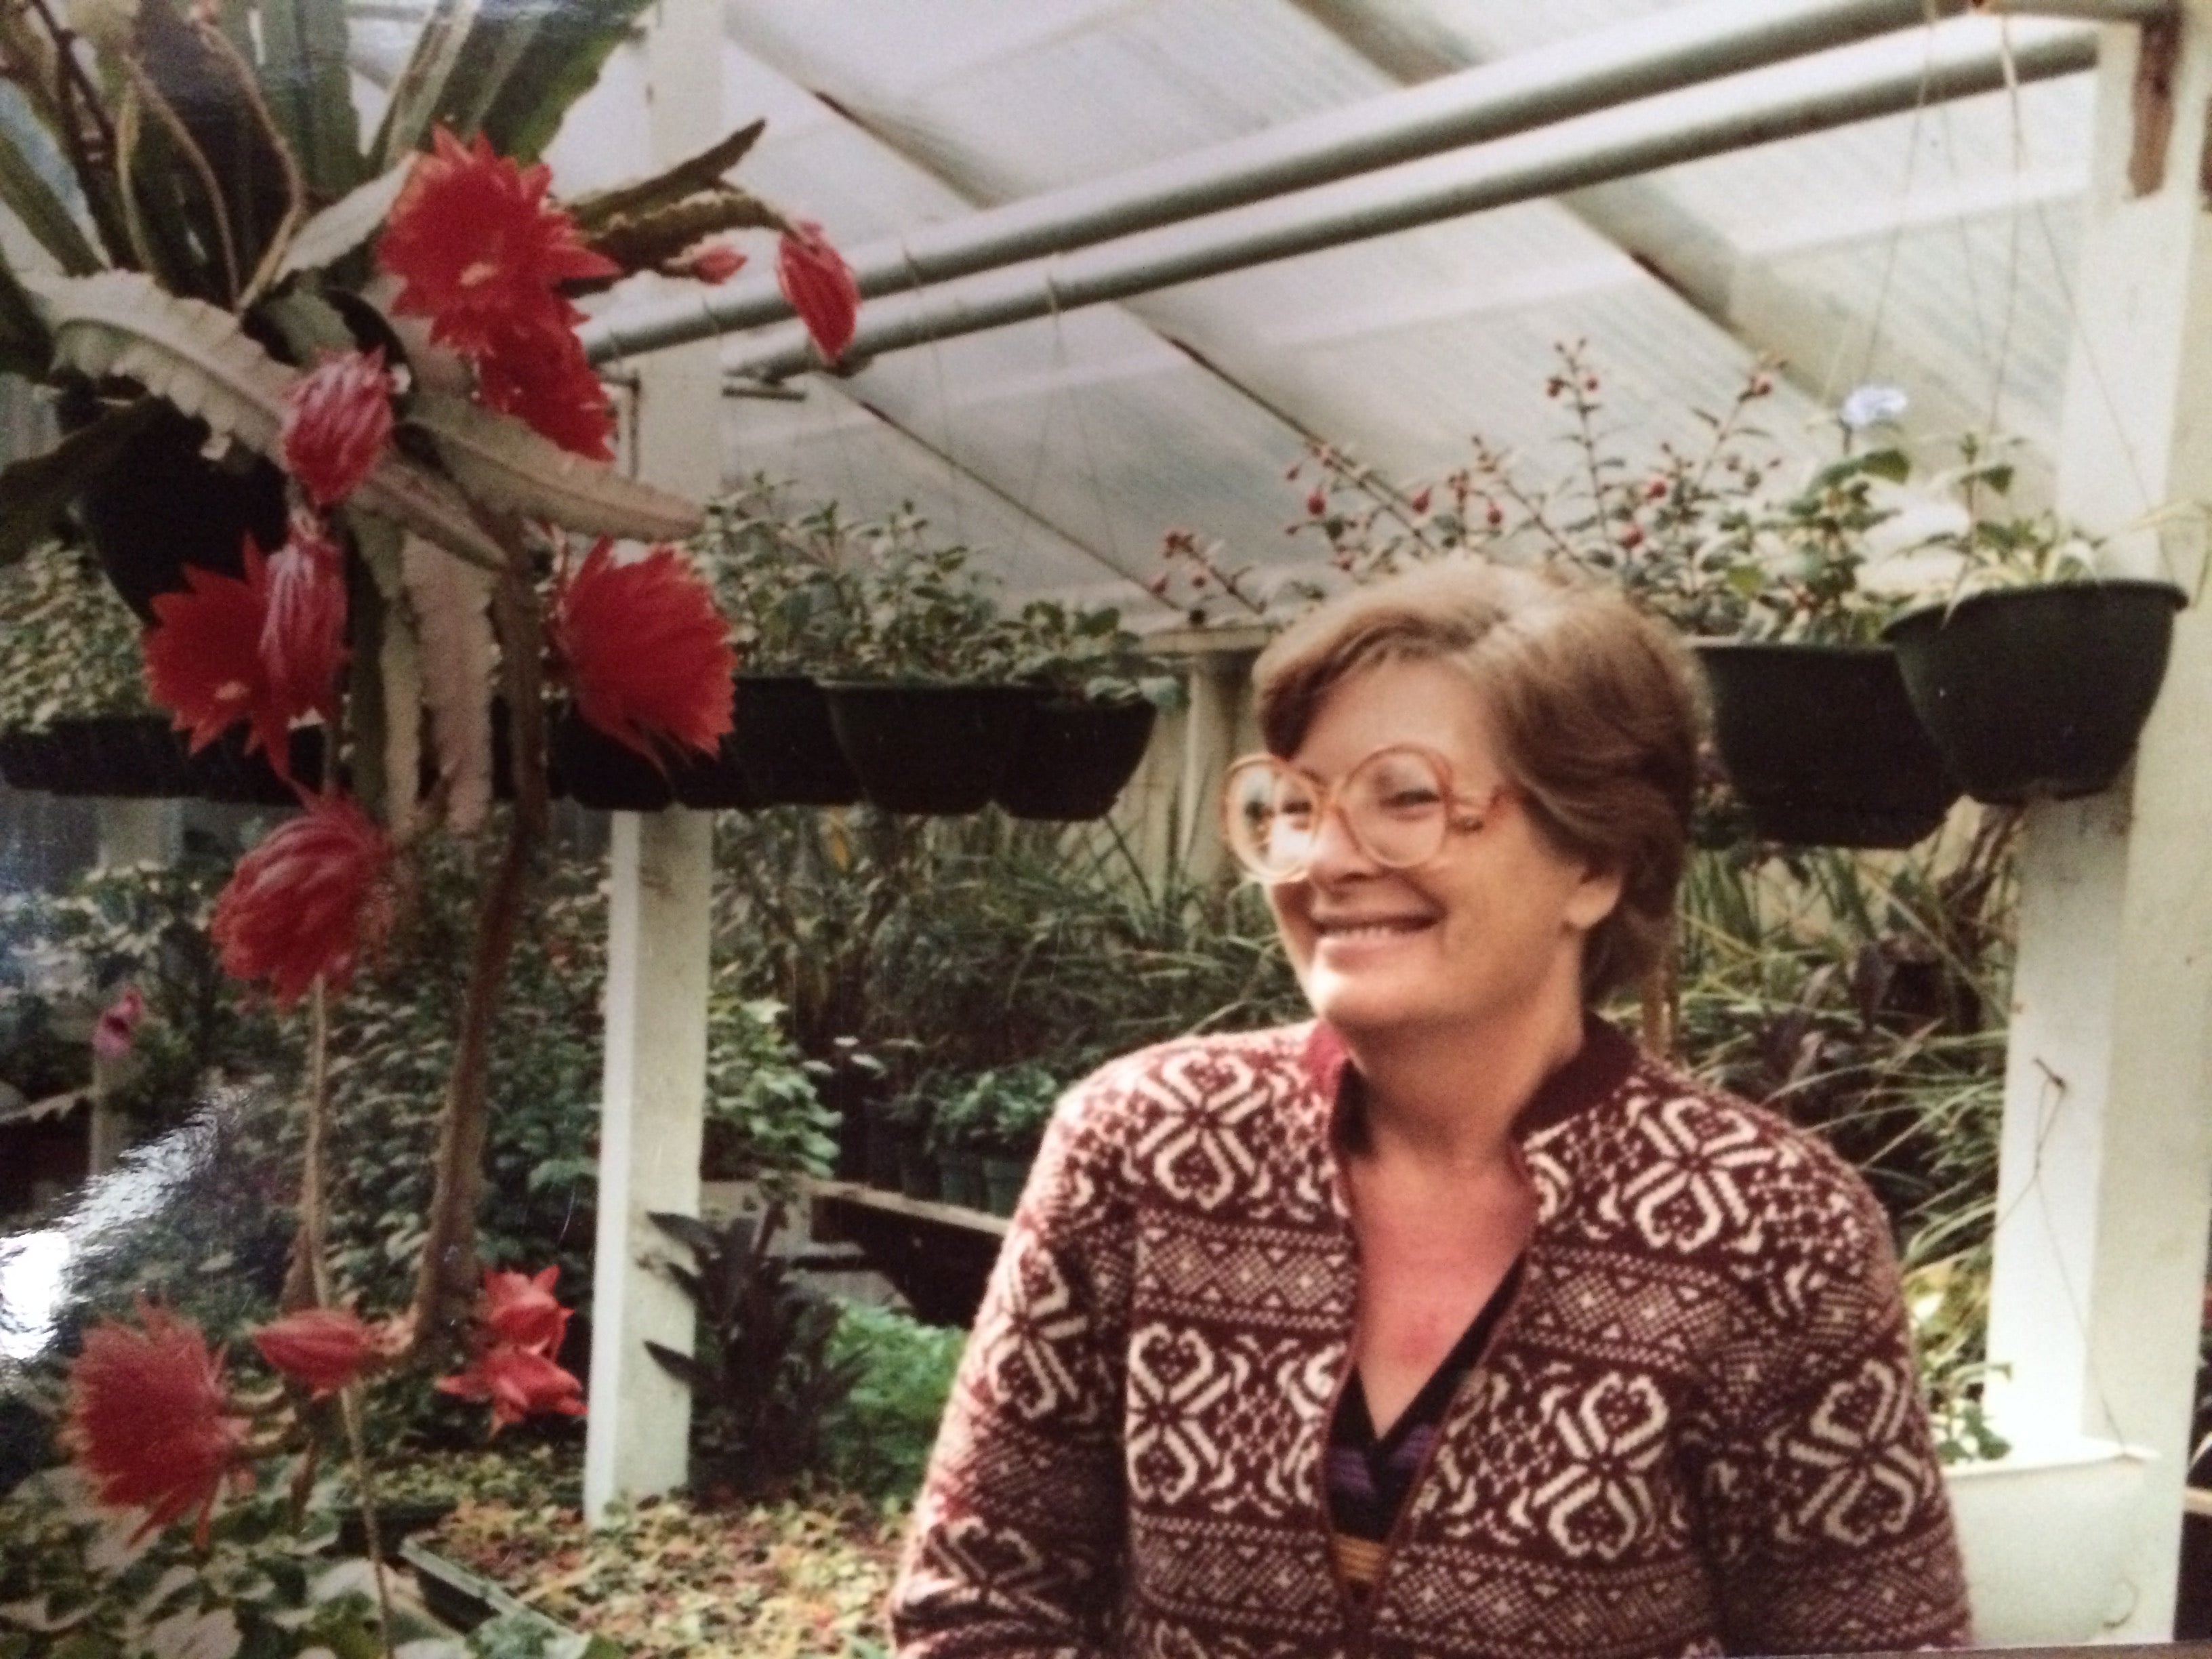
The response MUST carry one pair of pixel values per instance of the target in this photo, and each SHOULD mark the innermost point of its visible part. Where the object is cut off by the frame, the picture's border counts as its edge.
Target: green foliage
(73, 1585)
(811, 593)
(1003, 1111)
(1864, 997)
(765, 1119)
(763, 1376)
(876, 1441)
(69, 647)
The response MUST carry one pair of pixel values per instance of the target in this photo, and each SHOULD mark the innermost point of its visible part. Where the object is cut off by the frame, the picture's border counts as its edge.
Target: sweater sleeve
(1018, 1534)
(1827, 1520)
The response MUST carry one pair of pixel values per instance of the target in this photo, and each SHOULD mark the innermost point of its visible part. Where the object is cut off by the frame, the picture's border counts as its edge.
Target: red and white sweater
(1698, 1428)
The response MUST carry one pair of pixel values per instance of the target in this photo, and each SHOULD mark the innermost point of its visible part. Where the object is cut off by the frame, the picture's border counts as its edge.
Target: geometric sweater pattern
(1697, 1427)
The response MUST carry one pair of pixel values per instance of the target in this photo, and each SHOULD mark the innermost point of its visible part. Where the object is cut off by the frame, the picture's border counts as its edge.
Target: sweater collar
(1595, 1072)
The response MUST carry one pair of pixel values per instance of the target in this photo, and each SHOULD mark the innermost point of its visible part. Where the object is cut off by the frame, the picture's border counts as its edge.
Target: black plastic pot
(1822, 744)
(223, 771)
(127, 756)
(2038, 693)
(164, 505)
(927, 748)
(604, 774)
(1075, 756)
(917, 1170)
(1003, 1176)
(960, 1178)
(718, 782)
(783, 743)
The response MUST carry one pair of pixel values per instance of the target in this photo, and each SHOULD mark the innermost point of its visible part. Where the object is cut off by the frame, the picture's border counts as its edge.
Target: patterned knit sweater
(1697, 1428)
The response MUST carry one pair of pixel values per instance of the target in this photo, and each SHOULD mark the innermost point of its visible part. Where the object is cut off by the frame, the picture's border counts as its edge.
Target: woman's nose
(1336, 850)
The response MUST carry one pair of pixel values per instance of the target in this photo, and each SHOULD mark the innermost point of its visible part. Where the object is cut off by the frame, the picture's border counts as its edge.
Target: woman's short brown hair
(1593, 706)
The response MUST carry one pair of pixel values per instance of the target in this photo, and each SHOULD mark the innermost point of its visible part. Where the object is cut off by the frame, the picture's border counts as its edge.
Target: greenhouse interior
(715, 938)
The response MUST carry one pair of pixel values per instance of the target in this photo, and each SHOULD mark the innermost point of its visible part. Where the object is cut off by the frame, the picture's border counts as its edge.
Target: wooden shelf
(913, 1209)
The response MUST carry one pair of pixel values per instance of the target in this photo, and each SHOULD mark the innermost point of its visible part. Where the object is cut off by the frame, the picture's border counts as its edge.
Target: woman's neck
(1447, 1099)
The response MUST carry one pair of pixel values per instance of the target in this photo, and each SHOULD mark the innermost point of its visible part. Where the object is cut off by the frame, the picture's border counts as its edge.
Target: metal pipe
(1592, 151)
(1663, 52)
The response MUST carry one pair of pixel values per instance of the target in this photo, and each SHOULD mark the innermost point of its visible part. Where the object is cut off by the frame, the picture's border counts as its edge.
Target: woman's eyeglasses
(1399, 806)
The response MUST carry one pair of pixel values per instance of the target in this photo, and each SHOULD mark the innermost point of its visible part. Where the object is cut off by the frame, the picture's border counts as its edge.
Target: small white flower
(1871, 405)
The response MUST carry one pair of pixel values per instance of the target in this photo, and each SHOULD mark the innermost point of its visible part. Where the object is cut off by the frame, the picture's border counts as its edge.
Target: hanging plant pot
(135, 757)
(783, 744)
(604, 774)
(1075, 756)
(116, 756)
(928, 747)
(1822, 745)
(223, 771)
(165, 505)
(2038, 693)
(720, 782)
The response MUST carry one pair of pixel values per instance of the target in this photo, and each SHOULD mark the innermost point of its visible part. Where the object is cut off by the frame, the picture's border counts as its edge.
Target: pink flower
(478, 249)
(303, 627)
(644, 651)
(541, 377)
(519, 1310)
(819, 284)
(305, 903)
(149, 1419)
(203, 659)
(326, 1348)
(338, 419)
(518, 1383)
(712, 261)
(117, 1025)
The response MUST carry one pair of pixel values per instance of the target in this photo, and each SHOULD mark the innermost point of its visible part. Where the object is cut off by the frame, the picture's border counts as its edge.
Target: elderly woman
(1451, 1323)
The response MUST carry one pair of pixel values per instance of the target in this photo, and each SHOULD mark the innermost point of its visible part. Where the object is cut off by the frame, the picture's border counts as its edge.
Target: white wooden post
(2104, 1194)
(657, 926)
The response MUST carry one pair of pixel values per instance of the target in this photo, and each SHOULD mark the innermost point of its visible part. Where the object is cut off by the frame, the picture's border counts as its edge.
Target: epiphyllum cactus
(392, 326)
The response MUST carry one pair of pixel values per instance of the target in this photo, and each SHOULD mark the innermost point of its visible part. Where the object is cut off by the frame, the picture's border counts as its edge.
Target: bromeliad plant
(387, 331)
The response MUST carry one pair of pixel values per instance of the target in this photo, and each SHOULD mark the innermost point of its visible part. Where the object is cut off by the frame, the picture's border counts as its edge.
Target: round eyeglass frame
(1467, 819)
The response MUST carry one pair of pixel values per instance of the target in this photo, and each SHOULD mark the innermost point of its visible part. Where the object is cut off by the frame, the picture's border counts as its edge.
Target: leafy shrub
(761, 1376)
(73, 1587)
(877, 1440)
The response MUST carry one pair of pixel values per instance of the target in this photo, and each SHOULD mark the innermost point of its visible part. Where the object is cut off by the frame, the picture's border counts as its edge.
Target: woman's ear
(1596, 895)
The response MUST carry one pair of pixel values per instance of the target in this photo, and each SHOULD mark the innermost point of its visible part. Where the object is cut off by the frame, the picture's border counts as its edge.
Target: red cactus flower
(520, 1310)
(819, 284)
(149, 1419)
(203, 659)
(644, 653)
(303, 628)
(518, 1383)
(338, 419)
(326, 1348)
(478, 249)
(712, 261)
(111, 1035)
(541, 377)
(308, 902)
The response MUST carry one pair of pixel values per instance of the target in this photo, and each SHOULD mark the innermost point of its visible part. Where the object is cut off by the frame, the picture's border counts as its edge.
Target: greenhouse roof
(1929, 249)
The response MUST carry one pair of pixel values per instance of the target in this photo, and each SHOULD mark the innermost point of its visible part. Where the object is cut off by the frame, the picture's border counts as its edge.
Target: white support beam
(662, 877)
(2104, 1193)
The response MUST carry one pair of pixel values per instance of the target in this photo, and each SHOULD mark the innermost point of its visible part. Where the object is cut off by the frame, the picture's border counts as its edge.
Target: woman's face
(1490, 930)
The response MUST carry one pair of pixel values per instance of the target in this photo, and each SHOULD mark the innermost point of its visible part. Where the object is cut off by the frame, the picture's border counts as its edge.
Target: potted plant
(908, 1116)
(1086, 735)
(923, 700)
(1809, 710)
(2033, 675)
(785, 583)
(1015, 1102)
(74, 715)
(957, 1135)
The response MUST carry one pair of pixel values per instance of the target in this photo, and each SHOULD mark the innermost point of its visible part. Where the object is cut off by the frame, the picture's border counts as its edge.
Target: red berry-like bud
(1317, 503)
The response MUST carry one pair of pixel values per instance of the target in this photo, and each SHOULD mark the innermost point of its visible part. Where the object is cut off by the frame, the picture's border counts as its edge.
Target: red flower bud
(338, 419)
(1317, 502)
(326, 1348)
(819, 284)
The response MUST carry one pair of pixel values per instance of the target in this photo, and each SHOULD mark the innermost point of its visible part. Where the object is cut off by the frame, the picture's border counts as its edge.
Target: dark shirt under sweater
(1370, 1475)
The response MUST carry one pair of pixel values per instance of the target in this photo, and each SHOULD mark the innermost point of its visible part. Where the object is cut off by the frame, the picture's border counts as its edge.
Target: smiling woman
(1451, 1323)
